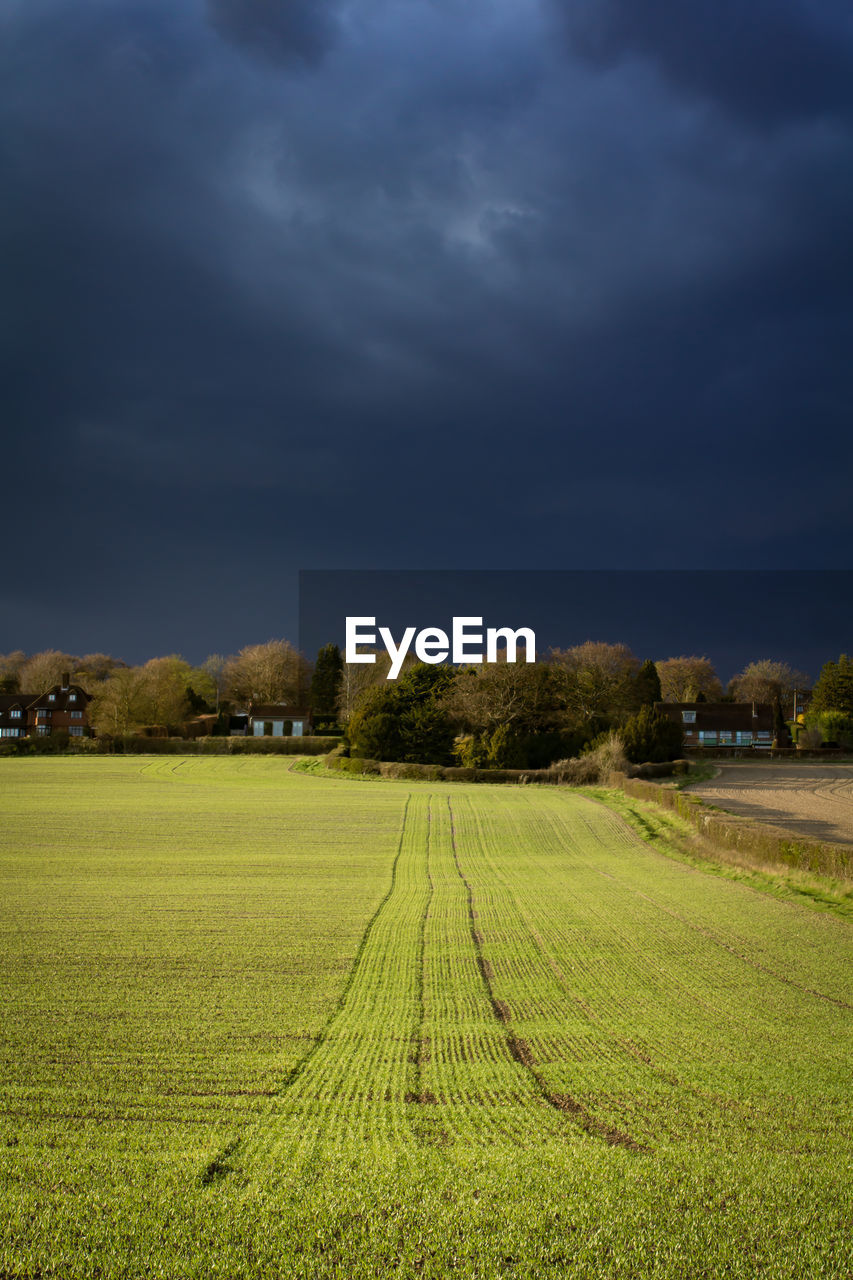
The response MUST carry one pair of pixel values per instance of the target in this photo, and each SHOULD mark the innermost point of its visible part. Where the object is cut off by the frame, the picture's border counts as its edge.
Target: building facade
(277, 720)
(722, 724)
(60, 709)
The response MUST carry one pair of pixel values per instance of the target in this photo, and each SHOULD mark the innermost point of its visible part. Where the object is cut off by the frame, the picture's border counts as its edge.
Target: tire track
(519, 1049)
(300, 1066)
(477, 1092)
(420, 1043)
(262, 1133)
(621, 1046)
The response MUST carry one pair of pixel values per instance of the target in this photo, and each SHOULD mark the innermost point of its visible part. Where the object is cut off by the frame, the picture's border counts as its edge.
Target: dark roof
(277, 710)
(60, 698)
(710, 716)
(10, 700)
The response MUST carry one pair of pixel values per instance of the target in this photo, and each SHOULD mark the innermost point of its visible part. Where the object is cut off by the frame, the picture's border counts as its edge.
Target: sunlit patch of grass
(676, 838)
(256, 1024)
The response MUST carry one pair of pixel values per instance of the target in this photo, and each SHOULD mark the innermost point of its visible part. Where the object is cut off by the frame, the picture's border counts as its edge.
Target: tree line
(164, 691)
(505, 715)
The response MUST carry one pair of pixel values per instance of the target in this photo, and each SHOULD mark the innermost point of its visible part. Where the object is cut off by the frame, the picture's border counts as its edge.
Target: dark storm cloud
(766, 60)
(282, 31)
(445, 298)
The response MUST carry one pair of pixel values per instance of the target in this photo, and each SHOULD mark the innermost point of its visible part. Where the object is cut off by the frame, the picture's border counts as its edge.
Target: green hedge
(136, 744)
(439, 772)
(457, 773)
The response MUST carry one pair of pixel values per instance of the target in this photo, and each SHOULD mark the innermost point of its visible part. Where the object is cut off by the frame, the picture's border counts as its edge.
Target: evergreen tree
(405, 721)
(651, 735)
(326, 683)
(781, 732)
(647, 686)
(834, 688)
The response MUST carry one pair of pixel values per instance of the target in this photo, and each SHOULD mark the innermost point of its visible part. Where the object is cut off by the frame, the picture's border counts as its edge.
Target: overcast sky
(414, 283)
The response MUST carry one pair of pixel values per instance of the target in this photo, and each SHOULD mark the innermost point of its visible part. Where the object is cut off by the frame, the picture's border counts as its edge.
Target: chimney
(65, 680)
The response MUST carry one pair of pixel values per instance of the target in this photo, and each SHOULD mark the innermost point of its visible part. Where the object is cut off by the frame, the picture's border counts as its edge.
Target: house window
(15, 713)
(76, 715)
(10, 733)
(707, 737)
(688, 717)
(72, 697)
(43, 713)
(51, 697)
(726, 737)
(76, 731)
(42, 729)
(744, 739)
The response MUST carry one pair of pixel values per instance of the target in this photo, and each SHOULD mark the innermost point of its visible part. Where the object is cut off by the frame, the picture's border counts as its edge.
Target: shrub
(651, 735)
(472, 750)
(351, 764)
(603, 756)
(834, 727)
(506, 750)
(404, 722)
(457, 773)
(422, 772)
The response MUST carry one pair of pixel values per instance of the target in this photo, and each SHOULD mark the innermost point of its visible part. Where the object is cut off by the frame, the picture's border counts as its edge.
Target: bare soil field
(812, 800)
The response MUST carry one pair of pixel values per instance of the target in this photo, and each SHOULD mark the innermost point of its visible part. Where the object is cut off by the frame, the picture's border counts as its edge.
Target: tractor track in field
(434, 1037)
(420, 1042)
(220, 1165)
(519, 1049)
(640, 955)
(619, 1043)
(665, 1074)
(300, 1066)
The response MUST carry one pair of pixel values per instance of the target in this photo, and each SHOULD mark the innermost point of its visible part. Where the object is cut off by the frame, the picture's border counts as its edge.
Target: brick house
(60, 709)
(13, 715)
(722, 724)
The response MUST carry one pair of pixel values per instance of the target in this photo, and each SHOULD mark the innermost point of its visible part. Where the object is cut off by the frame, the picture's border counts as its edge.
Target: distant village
(504, 715)
(64, 708)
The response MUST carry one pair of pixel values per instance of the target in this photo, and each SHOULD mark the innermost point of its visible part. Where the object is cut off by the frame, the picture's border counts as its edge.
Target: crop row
(536, 973)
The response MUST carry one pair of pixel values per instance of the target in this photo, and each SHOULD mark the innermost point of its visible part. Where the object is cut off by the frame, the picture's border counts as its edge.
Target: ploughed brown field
(813, 800)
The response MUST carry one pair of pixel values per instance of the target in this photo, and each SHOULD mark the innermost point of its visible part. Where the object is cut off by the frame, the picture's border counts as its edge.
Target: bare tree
(119, 704)
(10, 670)
(358, 677)
(163, 690)
(517, 695)
(271, 672)
(767, 681)
(215, 665)
(93, 668)
(45, 669)
(683, 679)
(597, 681)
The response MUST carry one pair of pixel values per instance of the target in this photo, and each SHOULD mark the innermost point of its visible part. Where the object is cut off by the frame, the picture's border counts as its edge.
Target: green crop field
(258, 1022)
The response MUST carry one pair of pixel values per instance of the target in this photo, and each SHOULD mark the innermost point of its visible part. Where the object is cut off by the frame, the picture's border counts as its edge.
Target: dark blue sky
(433, 284)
